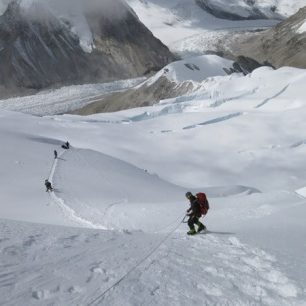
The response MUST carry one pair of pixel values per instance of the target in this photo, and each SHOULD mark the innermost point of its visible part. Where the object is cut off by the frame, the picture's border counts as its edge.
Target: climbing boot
(191, 232)
(202, 227)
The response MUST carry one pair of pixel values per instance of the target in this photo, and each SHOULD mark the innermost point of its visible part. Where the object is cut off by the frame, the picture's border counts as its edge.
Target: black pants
(192, 221)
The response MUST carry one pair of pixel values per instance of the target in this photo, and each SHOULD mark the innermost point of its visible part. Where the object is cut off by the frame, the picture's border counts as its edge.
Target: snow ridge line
(68, 211)
(100, 297)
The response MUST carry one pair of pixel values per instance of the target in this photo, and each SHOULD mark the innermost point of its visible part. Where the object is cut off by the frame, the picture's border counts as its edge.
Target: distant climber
(55, 154)
(195, 212)
(48, 186)
(66, 145)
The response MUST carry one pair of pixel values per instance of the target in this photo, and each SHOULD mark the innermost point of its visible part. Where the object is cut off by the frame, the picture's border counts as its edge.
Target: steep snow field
(111, 232)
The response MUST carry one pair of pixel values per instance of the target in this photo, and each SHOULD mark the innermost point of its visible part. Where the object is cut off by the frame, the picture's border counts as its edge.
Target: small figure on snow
(195, 212)
(66, 145)
(48, 186)
(55, 154)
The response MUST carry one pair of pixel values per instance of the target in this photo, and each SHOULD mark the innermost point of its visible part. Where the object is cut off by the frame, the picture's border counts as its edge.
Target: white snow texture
(111, 232)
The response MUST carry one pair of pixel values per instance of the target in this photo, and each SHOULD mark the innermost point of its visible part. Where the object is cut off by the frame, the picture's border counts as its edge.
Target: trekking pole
(184, 221)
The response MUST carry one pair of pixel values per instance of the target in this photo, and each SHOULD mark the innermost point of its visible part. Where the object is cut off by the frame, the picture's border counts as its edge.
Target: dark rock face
(37, 50)
(281, 46)
(128, 44)
(245, 65)
(37, 53)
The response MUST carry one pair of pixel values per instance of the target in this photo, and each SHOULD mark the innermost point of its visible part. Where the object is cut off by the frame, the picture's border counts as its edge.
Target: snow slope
(194, 69)
(82, 265)
(111, 232)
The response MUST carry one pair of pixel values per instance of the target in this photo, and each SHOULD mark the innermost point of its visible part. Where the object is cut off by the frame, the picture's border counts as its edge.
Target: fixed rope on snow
(101, 296)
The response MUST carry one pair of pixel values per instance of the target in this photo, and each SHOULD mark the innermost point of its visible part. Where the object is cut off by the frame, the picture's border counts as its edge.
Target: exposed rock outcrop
(283, 45)
(245, 65)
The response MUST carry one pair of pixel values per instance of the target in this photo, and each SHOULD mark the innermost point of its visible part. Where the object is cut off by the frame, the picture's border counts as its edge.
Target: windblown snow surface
(111, 232)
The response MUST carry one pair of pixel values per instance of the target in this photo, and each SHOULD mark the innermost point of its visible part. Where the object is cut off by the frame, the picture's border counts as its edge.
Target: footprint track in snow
(222, 270)
(99, 271)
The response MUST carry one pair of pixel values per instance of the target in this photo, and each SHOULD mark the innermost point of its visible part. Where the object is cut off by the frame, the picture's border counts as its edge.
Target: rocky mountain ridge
(283, 45)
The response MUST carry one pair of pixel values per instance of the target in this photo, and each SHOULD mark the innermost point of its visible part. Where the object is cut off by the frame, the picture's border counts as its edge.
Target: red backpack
(204, 205)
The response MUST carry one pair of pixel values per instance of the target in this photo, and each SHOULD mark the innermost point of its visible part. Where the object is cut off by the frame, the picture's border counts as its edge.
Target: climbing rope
(152, 251)
(101, 296)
